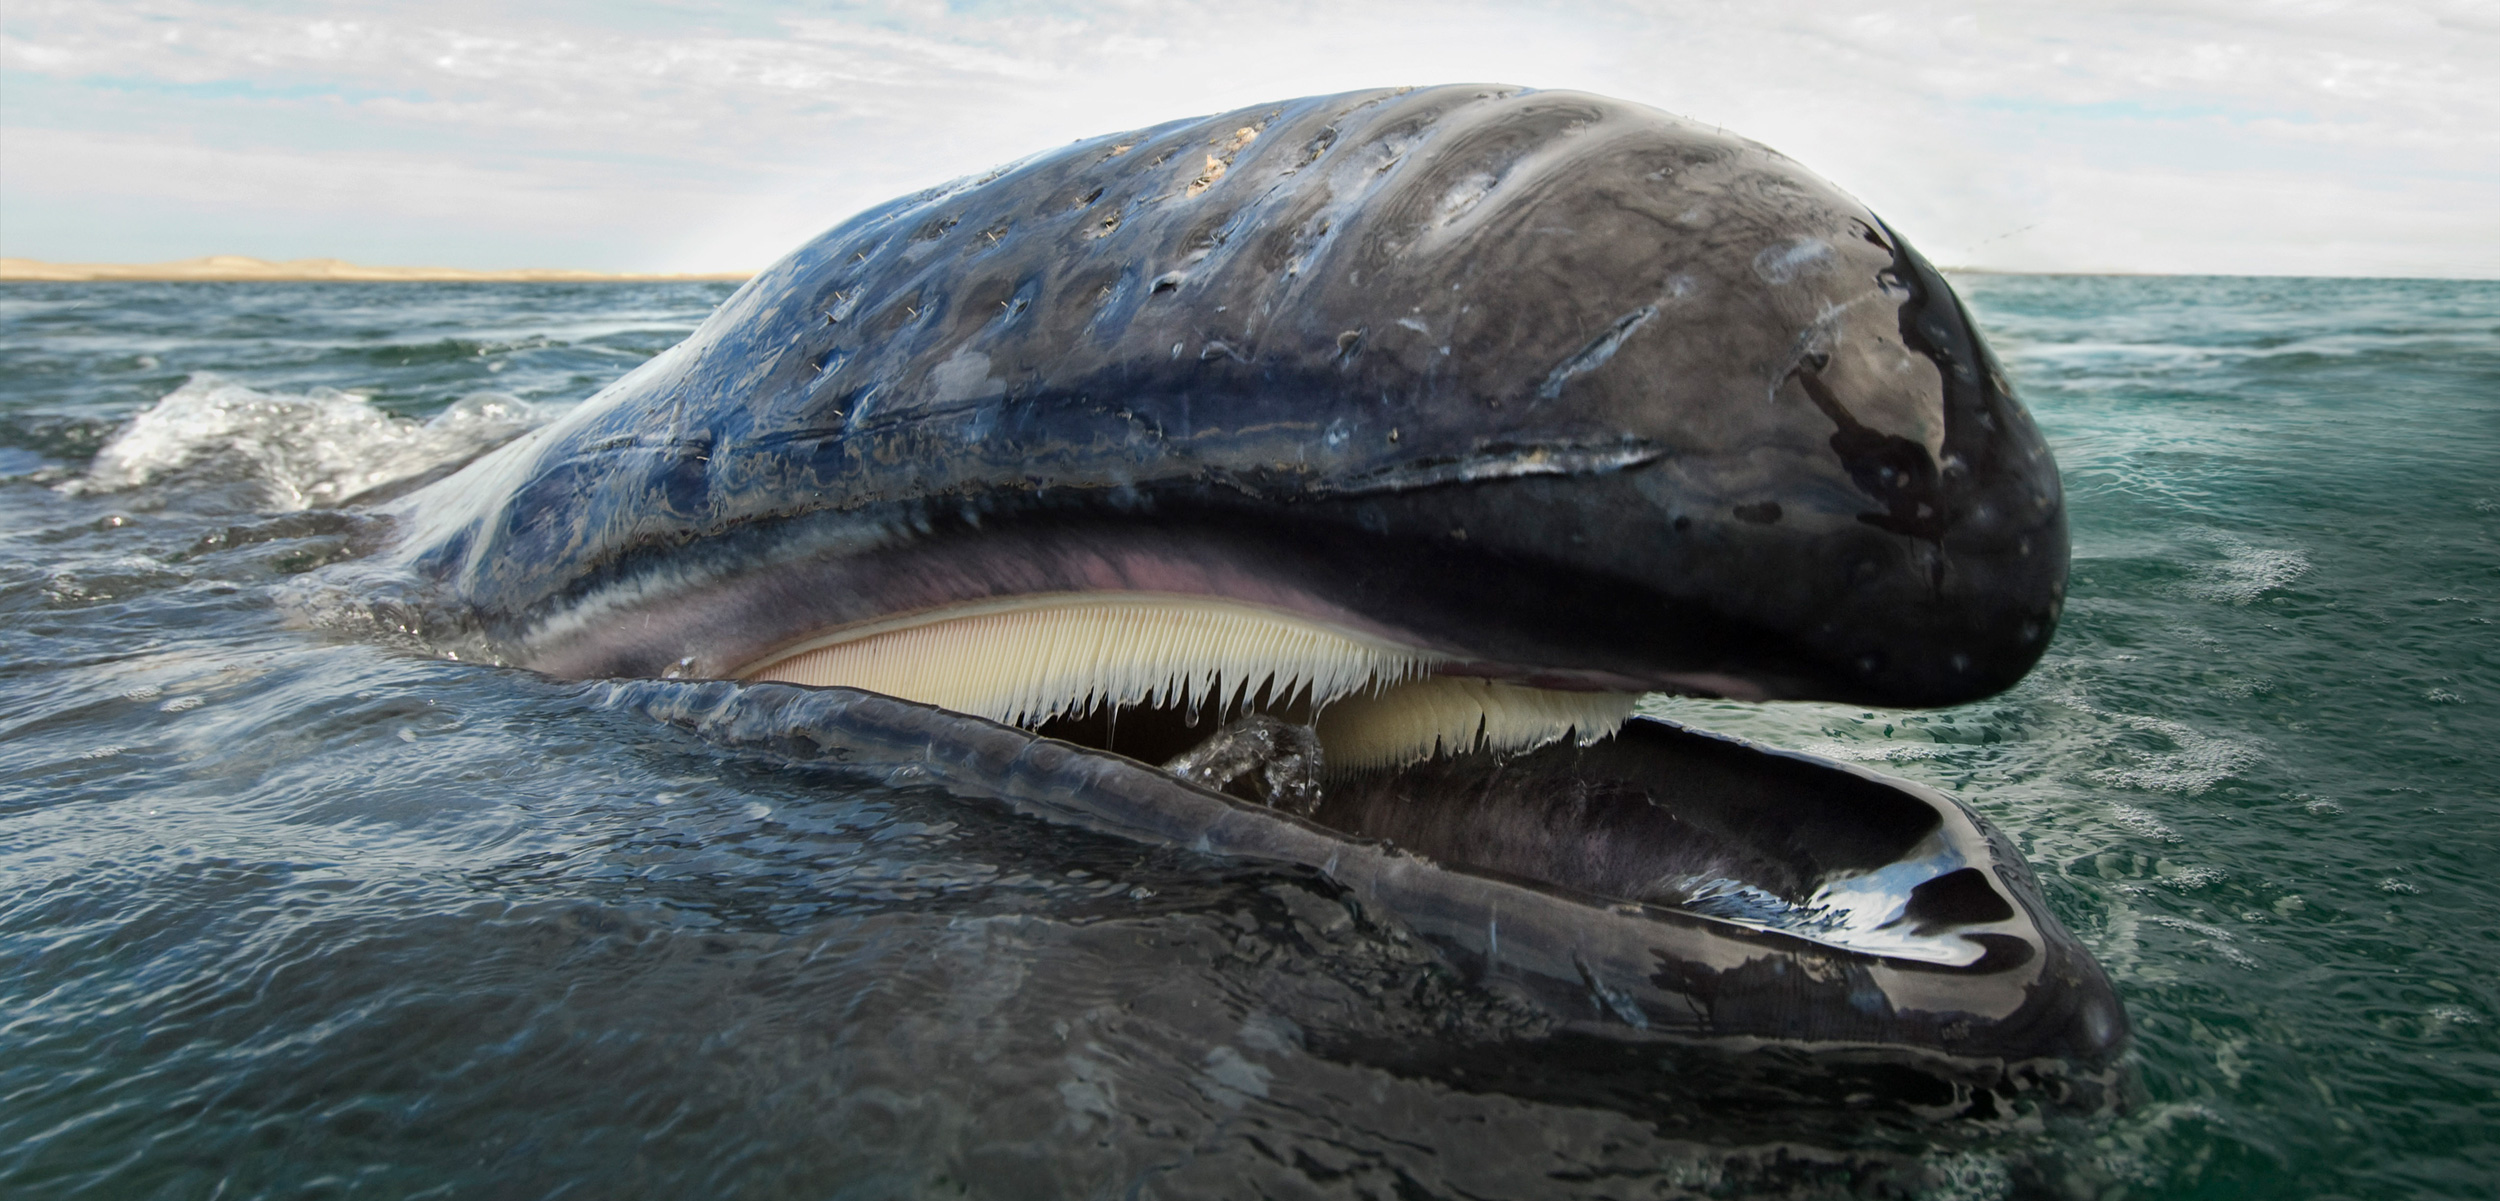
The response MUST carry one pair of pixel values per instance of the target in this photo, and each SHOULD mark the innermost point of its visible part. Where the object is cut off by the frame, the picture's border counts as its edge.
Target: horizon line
(239, 268)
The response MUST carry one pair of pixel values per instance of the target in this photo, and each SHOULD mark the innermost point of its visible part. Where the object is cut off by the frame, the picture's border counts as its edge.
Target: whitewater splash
(297, 451)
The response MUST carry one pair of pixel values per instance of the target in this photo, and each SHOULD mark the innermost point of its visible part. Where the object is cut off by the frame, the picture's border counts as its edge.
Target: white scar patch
(1031, 659)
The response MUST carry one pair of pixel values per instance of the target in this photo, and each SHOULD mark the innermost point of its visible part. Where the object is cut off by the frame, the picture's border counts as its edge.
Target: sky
(2302, 137)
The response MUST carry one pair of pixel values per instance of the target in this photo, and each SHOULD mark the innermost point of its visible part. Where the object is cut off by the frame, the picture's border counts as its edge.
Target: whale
(1323, 483)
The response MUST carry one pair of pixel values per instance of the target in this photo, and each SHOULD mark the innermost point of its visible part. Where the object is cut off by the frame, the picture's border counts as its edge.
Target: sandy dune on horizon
(233, 268)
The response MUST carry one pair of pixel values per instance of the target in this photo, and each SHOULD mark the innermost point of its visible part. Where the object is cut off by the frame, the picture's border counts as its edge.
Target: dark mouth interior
(1653, 814)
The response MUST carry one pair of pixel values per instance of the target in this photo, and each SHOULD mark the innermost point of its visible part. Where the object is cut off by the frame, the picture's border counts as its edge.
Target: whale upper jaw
(1538, 378)
(1571, 581)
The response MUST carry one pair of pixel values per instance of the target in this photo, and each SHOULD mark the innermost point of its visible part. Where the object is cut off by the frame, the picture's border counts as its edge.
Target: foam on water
(2185, 759)
(2246, 572)
(302, 450)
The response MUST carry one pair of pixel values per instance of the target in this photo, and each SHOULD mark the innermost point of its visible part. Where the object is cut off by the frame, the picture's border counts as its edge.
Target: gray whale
(1537, 390)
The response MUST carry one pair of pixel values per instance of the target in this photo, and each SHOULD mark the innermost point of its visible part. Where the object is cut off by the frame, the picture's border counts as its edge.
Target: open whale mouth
(1372, 738)
(1156, 677)
(1375, 738)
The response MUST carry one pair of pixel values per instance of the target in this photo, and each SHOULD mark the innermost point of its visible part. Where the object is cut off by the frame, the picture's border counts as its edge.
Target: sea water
(289, 913)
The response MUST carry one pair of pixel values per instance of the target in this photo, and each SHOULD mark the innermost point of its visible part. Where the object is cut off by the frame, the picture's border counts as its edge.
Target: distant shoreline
(235, 268)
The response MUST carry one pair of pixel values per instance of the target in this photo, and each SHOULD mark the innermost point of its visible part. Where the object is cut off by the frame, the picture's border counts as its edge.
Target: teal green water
(287, 915)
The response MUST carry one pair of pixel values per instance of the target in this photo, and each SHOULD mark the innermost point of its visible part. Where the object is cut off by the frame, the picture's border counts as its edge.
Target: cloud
(139, 198)
(2314, 136)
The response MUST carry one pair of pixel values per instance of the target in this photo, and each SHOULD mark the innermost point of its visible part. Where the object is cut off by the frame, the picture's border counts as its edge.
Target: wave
(298, 451)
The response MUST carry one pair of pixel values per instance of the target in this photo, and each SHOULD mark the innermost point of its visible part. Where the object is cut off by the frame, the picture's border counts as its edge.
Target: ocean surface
(284, 913)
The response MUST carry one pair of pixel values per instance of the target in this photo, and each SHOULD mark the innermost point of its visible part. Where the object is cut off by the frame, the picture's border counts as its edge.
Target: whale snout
(1959, 575)
(1854, 508)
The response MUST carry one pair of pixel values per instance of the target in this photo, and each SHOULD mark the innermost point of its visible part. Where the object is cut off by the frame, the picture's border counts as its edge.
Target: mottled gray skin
(1572, 390)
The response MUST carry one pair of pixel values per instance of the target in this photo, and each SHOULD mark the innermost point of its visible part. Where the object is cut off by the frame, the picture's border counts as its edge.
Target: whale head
(1516, 404)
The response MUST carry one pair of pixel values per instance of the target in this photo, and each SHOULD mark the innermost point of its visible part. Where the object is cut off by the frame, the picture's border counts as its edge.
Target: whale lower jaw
(1037, 660)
